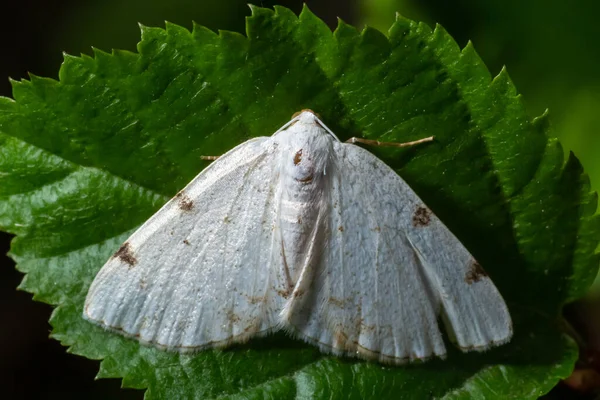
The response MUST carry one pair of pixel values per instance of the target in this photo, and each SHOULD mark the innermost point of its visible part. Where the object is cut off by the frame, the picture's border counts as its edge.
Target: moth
(302, 233)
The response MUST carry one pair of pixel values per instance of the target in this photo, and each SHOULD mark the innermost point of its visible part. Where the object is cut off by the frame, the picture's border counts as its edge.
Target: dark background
(551, 49)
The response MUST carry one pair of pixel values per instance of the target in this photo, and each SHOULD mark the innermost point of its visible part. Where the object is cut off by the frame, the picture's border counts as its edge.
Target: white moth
(300, 232)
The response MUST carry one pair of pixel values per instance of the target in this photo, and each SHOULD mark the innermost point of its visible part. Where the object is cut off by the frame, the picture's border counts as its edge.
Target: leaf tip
(369, 31)
(144, 29)
(305, 9)
(283, 11)
(99, 53)
(542, 122)
(503, 79)
(439, 29)
(342, 26)
(470, 53)
(400, 17)
(257, 11)
(33, 77)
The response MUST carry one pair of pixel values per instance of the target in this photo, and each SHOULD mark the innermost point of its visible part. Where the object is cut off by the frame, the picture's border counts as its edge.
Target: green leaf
(86, 160)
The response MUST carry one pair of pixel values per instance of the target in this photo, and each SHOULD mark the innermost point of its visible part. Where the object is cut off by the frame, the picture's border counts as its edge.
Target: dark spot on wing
(256, 299)
(422, 216)
(337, 302)
(298, 157)
(125, 254)
(252, 327)
(367, 328)
(184, 202)
(233, 317)
(341, 228)
(308, 179)
(185, 241)
(475, 273)
(340, 339)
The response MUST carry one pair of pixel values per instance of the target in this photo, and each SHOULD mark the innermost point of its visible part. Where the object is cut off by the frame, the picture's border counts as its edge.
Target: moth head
(306, 117)
(306, 113)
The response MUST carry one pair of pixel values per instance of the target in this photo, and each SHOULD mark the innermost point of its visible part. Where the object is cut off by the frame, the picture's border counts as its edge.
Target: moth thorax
(303, 167)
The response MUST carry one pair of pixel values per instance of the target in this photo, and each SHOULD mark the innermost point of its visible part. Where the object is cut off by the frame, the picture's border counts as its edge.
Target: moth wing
(201, 271)
(387, 271)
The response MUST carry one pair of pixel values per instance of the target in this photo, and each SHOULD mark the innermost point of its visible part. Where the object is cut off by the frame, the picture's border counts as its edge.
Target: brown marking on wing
(298, 157)
(422, 216)
(341, 228)
(475, 273)
(233, 317)
(184, 202)
(360, 325)
(368, 328)
(308, 179)
(255, 299)
(253, 326)
(336, 302)
(354, 348)
(125, 254)
(286, 271)
(185, 241)
(377, 229)
(340, 339)
(284, 293)
(299, 293)
(374, 354)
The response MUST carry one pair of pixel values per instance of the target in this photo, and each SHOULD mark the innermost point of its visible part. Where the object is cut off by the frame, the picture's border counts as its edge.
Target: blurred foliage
(89, 20)
(85, 24)
(550, 48)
